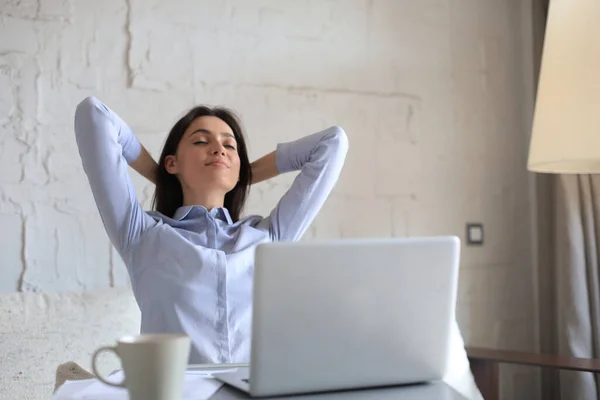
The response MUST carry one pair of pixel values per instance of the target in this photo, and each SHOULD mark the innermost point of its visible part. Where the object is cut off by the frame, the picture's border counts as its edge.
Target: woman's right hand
(145, 165)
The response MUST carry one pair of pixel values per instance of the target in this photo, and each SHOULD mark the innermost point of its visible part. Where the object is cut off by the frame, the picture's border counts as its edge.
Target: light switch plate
(475, 234)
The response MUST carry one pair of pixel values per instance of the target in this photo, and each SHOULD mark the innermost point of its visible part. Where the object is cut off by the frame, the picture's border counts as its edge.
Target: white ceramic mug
(154, 365)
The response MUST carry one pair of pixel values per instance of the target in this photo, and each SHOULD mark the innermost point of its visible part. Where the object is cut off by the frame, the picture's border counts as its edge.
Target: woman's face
(207, 156)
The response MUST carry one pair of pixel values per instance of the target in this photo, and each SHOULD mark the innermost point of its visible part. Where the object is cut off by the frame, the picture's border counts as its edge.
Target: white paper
(209, 372)
(198, 385)
(69, 388)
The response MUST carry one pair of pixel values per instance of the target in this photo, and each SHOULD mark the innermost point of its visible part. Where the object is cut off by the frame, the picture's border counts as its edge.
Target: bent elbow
(339, 141)
(90, 108)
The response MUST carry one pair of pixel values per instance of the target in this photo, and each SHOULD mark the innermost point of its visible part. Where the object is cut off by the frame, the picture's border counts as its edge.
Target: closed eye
(230, 146)
(200, 142)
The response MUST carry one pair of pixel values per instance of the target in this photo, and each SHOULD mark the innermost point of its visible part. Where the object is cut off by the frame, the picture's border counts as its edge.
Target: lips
(220, 164)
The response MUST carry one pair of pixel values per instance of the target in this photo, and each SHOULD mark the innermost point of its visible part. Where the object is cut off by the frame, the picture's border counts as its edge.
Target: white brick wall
(430, 92)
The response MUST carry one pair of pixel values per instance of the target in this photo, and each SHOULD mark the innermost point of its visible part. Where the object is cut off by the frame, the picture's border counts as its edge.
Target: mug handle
(95, 369)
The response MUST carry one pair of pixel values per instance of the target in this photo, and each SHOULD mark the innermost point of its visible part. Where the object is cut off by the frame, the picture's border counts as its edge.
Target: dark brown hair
(168, 195)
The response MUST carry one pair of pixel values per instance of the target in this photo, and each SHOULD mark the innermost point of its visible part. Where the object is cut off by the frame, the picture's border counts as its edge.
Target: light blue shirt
(193, 273)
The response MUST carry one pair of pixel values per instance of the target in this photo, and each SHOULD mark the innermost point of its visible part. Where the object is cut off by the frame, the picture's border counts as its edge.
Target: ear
(171, 164)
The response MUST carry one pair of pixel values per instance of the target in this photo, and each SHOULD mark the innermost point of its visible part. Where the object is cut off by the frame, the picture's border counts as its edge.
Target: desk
(432, 391)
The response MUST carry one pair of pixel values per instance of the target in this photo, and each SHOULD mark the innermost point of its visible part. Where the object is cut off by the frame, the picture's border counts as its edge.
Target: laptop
(349, 314)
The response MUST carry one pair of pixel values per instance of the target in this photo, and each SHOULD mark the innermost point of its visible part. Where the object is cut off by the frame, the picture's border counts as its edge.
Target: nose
(218, 149)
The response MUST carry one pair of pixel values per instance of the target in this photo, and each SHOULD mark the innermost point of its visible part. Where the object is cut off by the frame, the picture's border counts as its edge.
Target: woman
(191, 260)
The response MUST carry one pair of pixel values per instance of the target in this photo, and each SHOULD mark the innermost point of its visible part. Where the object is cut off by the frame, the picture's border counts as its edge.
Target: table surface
(431, 391)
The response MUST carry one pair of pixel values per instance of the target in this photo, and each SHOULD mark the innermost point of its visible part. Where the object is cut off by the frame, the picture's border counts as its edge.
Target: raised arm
(319, 158)
(106, 146)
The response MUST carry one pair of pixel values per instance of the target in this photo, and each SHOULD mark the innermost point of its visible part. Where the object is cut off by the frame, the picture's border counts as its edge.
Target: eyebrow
(226, 134)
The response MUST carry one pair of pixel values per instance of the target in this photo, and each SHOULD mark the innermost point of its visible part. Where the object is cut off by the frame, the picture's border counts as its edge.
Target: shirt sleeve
(106, 146)
(319, 158)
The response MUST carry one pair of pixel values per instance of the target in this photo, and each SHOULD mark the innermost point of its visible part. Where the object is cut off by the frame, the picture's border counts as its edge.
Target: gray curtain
(568, 211)
(576, 279)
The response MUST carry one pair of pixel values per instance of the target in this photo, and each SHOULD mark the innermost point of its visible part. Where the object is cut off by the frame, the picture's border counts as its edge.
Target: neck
(207, 199)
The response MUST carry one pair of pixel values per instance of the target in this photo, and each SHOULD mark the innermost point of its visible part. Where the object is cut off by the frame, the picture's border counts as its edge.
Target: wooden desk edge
(485, 366)
(534, 359)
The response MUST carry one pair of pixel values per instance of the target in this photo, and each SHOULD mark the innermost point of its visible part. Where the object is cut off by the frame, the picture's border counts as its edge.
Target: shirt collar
(182, 212)
(220, 212)
(223, 213)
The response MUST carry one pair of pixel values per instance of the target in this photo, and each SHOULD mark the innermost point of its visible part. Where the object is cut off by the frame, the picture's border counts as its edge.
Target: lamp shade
(566, 124)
